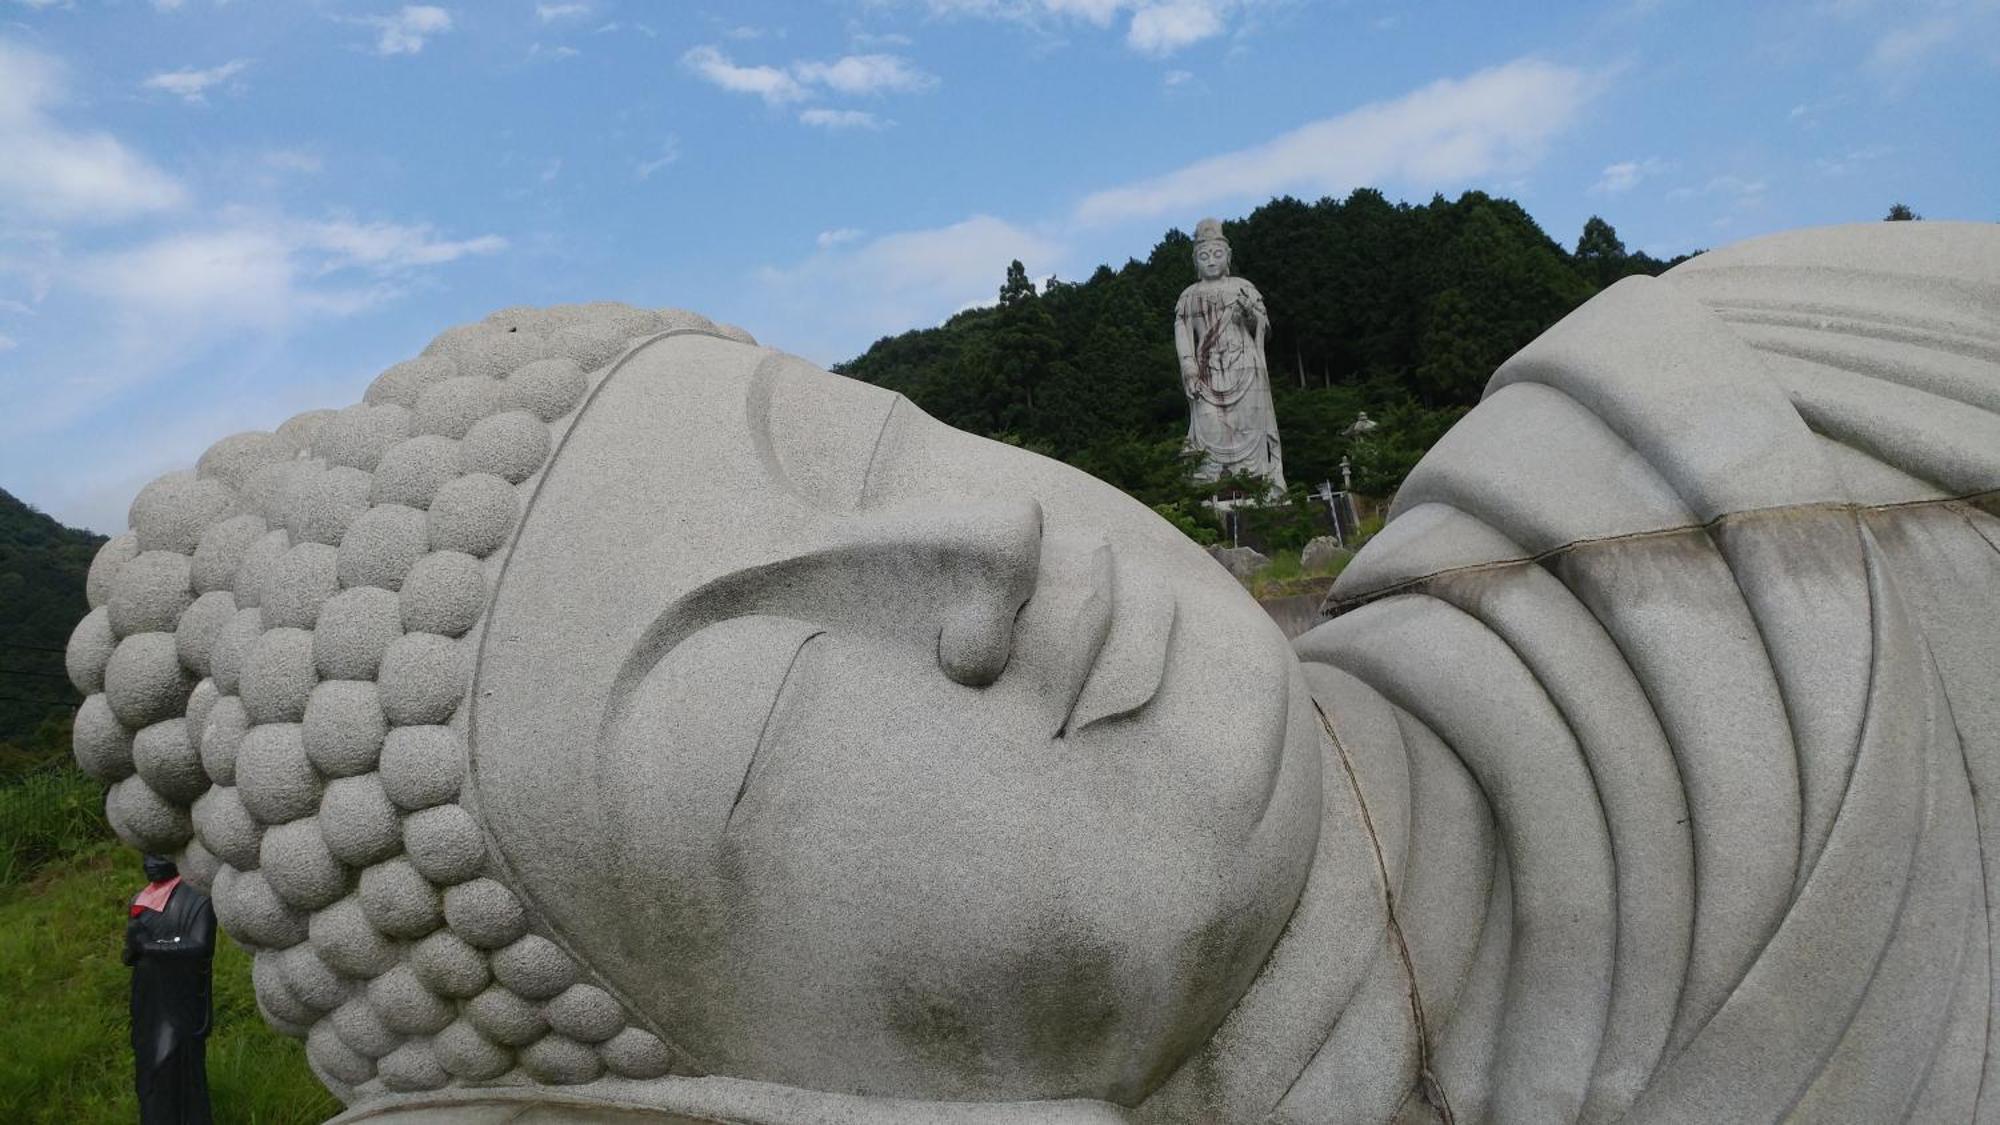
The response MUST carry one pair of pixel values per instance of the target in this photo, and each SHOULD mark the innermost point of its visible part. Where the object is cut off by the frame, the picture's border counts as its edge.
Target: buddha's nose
(985, 558)
(1000, 555)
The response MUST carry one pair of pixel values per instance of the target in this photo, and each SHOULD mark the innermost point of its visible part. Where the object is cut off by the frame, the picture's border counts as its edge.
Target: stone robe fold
(1667, 699)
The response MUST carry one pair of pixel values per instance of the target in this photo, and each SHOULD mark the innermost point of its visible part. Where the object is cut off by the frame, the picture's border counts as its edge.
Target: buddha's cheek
(930, 897)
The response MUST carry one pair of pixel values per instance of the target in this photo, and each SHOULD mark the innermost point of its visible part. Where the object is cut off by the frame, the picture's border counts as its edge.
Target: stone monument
(1219, 327)
(1645, 771)
(170, 948)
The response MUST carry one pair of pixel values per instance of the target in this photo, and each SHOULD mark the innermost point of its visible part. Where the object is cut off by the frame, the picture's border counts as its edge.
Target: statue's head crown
(1208, 230)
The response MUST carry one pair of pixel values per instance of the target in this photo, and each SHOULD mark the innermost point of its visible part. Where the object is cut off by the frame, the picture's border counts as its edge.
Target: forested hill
(1399, 310)
(42, 568)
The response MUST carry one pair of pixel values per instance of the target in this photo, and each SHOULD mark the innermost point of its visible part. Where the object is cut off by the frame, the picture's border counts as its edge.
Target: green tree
(1900, 213)
(1600, 253)
(1023, 348)
(1399, 309)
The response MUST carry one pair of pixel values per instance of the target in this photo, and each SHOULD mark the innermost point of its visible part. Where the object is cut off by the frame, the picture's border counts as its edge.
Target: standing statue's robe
(1219, 334)
(1666, 709)
(170, 951)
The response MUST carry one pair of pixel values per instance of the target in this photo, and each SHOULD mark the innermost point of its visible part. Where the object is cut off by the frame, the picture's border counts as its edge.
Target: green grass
(65, 1051)
(1285, 576)
(46, 814)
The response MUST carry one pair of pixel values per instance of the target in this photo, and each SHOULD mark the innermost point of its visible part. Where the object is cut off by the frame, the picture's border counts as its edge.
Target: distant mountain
(42, 569)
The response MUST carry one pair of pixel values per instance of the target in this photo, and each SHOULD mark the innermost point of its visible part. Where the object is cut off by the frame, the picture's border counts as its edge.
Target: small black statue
(170, 945)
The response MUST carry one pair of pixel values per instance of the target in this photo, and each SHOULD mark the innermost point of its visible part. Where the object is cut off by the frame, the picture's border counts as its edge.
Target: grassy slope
(65, 1055)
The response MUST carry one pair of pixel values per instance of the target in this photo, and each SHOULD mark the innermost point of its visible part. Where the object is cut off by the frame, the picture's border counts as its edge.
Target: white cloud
(260, 272)
(1847, 162)
(1455, 130)
(130, 331)
(775, 86)
(1739, 189)
(615, 27)
(243, 279)
(851, 291)
(8, 343)
(1098, 12)
(383, 247)
(805, 79)
(1162, 29)
(235, 276)
(192, 84)
(1176, 77)
(865, 74)
(837, 119)
(1729, 197)
(550, 13)
(828, 239)
(1918, 33)
(669, 152)
(866, 39)
(406, 32)
(301, 161)
(54, 173)
(1904, 47)
(1155, 27)
(1625, 175)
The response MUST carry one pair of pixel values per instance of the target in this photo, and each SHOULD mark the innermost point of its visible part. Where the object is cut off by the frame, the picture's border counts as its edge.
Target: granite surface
(610, 719)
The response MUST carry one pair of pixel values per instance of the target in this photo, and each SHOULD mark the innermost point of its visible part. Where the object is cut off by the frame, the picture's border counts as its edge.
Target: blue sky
(216, 214)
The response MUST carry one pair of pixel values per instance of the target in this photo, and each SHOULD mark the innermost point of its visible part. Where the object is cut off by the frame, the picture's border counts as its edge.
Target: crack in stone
(1427, 1084)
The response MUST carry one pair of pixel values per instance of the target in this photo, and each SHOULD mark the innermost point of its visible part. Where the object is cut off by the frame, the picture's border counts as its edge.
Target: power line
(37, 675)
(45, 702)
(33, 648)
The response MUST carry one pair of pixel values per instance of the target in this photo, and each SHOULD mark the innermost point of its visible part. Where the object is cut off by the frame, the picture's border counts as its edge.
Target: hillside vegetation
(42, 567)
(1400, 310)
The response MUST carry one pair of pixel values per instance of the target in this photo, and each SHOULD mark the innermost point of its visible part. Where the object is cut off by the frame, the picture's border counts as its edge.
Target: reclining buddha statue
(611, 719)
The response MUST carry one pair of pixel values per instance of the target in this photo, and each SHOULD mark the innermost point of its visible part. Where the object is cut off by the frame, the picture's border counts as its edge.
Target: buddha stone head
(607, 698)
(884, 757)
(1211, 251)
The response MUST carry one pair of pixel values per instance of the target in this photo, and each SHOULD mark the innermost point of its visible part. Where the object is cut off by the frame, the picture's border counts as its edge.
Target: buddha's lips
(1122, 634)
